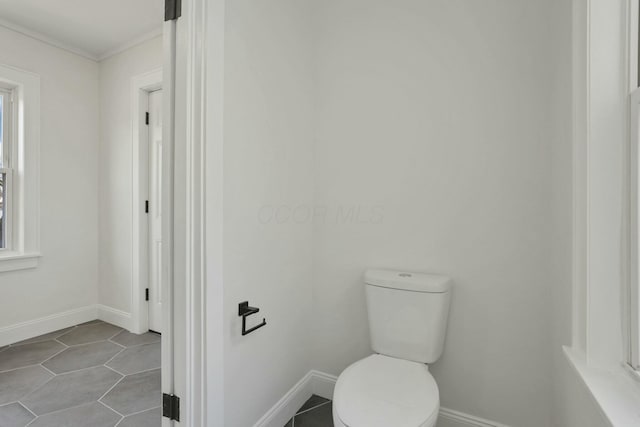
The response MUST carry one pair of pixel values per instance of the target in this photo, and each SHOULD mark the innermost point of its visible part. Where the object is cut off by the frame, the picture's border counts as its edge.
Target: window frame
(8, 143)
(631, 323)
(23, 249)
(604, 76)
(633, 306)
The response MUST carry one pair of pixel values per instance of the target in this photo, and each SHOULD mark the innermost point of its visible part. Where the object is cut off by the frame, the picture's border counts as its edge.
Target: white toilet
(407, 321)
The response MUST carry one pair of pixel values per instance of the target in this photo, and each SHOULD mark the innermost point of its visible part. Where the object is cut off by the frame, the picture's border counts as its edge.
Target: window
(19, 168)
(6, 106)
(632, 294)
(633, 352)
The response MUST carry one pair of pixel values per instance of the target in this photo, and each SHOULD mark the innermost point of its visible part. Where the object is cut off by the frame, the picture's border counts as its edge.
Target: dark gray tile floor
(94, 374)
(316, 412)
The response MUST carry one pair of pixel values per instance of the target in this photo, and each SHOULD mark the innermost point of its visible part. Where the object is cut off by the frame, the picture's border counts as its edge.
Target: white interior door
(155, 210)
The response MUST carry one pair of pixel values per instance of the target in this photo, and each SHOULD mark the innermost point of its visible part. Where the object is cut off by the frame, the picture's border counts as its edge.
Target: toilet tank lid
(408, 281)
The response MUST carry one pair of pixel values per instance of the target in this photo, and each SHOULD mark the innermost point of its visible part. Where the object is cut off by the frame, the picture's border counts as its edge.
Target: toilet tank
(407, 313)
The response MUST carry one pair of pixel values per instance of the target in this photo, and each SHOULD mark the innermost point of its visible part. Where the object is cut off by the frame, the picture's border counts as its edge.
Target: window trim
(8, 125)
(633, 316)
(25, 163)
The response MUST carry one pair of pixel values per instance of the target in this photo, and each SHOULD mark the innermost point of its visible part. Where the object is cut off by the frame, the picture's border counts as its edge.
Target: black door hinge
(171, 407)
(172, 9)
(146, 206)
(146, 118)
(146, 294)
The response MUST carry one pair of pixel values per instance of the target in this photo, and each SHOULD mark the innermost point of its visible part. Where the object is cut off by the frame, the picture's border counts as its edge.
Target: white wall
(441, 141)
(67, 275)
(436, 114)
(268, 138)
(115, 169)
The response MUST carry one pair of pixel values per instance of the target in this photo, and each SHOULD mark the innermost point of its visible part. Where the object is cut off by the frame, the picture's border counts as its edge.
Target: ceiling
(92, 28)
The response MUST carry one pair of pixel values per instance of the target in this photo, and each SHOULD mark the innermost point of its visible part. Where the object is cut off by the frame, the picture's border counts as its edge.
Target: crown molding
(46, 39)
(72, 49)
(131, 43)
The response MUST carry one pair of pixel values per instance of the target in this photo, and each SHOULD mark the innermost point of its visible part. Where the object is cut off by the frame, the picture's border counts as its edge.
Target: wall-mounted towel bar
(245, 311)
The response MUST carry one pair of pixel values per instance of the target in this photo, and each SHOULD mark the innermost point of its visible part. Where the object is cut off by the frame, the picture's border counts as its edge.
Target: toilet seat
(382, 391)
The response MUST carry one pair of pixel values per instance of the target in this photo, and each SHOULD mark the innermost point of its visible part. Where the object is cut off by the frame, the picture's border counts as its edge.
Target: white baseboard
(114, 316)
(44, 325)
(33, 328)
(451, 418)
(321, 384)
(287, 407)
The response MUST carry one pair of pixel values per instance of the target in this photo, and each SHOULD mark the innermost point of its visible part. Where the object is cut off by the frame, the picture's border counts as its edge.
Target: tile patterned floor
(316, 412)
(95, 374)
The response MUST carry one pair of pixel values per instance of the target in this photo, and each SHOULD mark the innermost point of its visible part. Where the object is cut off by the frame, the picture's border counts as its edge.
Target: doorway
(153, 208)
(147, 128)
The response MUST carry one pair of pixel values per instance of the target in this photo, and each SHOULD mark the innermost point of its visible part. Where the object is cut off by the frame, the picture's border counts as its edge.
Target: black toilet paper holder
(245, 311)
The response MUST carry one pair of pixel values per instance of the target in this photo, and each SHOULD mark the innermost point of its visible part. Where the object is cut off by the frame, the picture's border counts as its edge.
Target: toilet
(407, 322)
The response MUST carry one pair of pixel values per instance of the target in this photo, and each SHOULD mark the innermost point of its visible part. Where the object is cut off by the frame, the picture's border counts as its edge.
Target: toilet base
(337, 422)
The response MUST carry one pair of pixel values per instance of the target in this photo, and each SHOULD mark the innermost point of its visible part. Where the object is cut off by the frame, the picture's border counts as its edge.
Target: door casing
(141, 86)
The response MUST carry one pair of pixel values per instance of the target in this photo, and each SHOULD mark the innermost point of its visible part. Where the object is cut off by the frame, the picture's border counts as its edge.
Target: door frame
(141, 86)
(194, 83)
(193, 211)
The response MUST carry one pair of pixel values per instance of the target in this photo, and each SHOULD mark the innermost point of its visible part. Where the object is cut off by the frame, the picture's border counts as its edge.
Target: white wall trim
(322, 384)
(46, 39)
(581, 139)
(114, 316)
(13, 262)
(286, 407)
(131, 43)
(77, 51)
(141, 85)
(465, 420)
(197, 371)
(43, 325)
(174, 363)
(600, 211)
(214, 313)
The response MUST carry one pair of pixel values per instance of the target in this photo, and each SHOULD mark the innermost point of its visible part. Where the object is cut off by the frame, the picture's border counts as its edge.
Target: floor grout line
(48, 370)
(87, 343)
(77, 370)
(144, 343)
(53, 338)
(136, 373)
(112, 387)
(135, 345)
(139, 412)
(109, 407)
(60, 342)
(116, 334)
(25, 407)
(114, 370)
(17, 369)
(58, 410)
(117, 343)
(46, 360)
(114, 356)
(312, 408)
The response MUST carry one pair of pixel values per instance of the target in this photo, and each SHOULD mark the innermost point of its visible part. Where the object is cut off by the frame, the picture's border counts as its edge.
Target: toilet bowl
(407, 322)
(382, 391)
